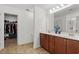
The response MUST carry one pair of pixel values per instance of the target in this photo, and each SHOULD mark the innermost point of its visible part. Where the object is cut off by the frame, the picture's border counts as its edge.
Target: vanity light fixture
(53, 8)
(62, 5)
(51, 11)
(57, 7)
(74, 18)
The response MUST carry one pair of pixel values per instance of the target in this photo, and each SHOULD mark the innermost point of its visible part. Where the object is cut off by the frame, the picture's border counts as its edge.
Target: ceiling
(48, 6)
(21, 6)
(31, 6)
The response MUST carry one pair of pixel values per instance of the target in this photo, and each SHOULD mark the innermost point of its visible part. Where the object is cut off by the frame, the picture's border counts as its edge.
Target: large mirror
(68, 20)
(68, 24)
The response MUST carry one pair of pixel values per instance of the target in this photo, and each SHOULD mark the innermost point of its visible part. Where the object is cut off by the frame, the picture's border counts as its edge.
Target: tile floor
(12, 48)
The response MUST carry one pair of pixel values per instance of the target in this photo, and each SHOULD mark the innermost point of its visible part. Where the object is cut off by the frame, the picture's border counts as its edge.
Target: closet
(10, 29)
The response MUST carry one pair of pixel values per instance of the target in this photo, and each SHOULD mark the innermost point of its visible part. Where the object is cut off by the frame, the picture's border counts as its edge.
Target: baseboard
(26, 43)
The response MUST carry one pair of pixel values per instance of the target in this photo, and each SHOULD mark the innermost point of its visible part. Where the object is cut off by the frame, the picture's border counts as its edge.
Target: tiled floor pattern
(10, 42)
(12, 48)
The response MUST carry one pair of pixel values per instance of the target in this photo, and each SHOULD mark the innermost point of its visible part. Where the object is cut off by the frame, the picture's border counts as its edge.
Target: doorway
(10, 30)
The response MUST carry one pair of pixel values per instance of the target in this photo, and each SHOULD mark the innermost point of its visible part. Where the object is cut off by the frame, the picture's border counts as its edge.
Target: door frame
(17, 26)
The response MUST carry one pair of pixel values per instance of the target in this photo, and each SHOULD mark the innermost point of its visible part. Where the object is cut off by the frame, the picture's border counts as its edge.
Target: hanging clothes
(15, 28)
(11, 29)
(7, 28)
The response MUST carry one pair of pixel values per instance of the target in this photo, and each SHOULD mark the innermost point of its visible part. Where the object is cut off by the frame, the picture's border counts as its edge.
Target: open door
(10, 30)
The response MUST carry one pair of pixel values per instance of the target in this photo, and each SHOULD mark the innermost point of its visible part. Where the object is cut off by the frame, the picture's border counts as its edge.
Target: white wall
(25, 30)
(1, 29)
(39, 24)
(25, 25)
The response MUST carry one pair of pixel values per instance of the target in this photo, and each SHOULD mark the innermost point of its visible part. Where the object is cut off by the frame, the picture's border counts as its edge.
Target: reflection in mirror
(77, 24)
(61, 22)
(72, 26)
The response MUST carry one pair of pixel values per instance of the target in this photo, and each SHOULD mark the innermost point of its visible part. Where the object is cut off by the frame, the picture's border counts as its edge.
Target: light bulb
(57, 7)
(53, 8)
(62, 5)
(51, 11)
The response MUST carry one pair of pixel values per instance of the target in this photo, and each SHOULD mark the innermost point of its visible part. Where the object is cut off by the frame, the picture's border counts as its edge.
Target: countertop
(64, 35)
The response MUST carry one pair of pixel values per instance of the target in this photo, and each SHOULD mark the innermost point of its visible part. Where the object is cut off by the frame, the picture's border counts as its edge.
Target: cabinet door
(72, 47)
(44, 41)
(60, 45)
(51, 44)
(41, 40)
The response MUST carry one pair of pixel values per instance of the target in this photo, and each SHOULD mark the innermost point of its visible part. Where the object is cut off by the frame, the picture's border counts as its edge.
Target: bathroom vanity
(59, 43)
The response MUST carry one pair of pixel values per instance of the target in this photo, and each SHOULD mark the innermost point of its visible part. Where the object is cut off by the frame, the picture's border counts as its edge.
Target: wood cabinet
(51, 44)
(47, 42)
(60, 45)
(44, 41)
(72, 46)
